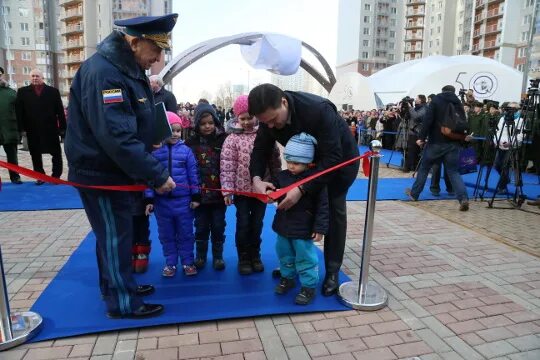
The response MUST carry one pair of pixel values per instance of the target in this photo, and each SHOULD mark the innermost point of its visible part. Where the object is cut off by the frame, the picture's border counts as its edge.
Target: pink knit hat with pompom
(240, 105)
(173, 118)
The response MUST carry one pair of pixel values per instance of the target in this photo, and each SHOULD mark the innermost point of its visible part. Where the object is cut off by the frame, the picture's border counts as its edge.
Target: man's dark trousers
(11, 154)
(111, 216)
(448, 152)
(334, 242)
(37, 162)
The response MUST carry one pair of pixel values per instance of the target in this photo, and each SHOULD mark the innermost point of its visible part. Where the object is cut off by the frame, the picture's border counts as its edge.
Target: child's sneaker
(168, 271)
(284, 286)
(305, 296)
(190, 270)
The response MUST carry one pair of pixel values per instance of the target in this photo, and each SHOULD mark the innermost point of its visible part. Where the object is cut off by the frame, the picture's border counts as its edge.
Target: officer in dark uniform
(109, 142)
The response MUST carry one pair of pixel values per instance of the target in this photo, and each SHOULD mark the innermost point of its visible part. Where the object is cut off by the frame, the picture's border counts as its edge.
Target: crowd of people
(216, 158)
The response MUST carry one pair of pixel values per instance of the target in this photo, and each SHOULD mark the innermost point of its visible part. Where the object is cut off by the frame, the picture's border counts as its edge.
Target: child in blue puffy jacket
(174, 210)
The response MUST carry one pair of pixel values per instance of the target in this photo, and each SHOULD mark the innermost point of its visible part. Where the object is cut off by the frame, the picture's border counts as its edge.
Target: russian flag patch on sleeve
(112, 96)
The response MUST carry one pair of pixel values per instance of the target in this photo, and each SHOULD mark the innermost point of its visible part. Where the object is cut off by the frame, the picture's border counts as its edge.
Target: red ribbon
(262, 197)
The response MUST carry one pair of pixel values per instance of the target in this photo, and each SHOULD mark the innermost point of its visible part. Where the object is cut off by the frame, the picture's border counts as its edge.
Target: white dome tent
(353, 89)
(488, 78)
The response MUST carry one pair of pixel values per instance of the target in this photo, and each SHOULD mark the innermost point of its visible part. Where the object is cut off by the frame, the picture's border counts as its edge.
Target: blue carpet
(71, 304)
(29, 196)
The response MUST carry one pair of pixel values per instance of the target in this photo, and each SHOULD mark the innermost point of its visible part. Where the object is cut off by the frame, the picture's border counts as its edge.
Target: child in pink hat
(174, 210)
(234, 174)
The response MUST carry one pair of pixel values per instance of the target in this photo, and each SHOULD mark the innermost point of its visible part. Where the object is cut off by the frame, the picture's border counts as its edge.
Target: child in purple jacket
(174, 210)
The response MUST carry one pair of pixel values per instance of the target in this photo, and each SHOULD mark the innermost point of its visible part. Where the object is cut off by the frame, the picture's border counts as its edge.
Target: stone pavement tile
(372, 354)
(319, 337)
(529, 355)
(524, 328)
(316, 350)
(467, 314)
(411, 349)
(343, 356)
(288, 335)
(494, 334)
(273, 347)
(177, 340)
(105, 344)
(495, 321)
(196, 351)
(355, 332)
(433, 340)
(526, 343)
(464, 350)
(147, 343)
(158, 331)
(327, 324)
(14, 354)
(81, 350)
(235, 324)
(298, 353)
(304, 327)
(224, 357)
(496, 348)
(255, 355)
(472, 339)
(217, 336)
(390, 326)
(464, 327)
(364, 318)
(50, 353)
(382, 340)
(125, 350)
(350, 345)
(247, 333)
(159, 354)
(195, 328)
(240, 346)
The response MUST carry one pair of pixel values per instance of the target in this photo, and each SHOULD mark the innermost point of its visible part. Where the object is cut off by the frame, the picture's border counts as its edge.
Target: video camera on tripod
(406, 103)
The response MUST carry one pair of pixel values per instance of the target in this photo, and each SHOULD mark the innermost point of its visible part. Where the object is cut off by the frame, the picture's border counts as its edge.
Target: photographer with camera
(390, 121)
(509, 136)
(415, 115)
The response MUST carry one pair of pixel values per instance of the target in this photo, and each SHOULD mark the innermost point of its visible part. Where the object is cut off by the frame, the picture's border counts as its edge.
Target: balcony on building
(493, 28)
(71, 14)
(415, 12)
(74, 58)
(72, 29)
(414, 25)
(492, 44)
(480, 17)
(494, 13)
(69, 2)
(73, 43)
(415, 2)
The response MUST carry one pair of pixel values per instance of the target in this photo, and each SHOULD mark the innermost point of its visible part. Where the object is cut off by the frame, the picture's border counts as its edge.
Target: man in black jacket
(443, 145)
(163, 95)
(283, 114)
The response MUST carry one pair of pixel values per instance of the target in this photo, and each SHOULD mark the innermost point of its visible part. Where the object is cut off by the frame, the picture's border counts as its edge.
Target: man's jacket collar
(115, 49)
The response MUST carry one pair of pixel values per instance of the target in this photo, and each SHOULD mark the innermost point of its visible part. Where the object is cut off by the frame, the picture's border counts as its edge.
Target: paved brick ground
(456, 292)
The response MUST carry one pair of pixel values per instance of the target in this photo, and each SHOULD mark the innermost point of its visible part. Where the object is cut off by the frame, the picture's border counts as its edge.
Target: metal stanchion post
(15, 328)
(366, 295)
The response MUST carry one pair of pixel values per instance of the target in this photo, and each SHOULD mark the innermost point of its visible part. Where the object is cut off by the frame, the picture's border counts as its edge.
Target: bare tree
(224, 95)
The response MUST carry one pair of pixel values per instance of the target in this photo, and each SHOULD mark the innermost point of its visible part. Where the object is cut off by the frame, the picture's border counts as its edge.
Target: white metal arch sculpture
(196, 52)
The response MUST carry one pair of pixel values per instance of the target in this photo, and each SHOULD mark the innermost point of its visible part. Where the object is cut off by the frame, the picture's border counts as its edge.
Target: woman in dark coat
(41, 113)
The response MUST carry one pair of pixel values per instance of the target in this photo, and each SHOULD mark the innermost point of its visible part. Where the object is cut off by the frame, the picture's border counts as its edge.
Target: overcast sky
(312, 21)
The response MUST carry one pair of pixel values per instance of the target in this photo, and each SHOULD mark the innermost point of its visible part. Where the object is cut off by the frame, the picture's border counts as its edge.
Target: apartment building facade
(370, 34)
(29, 40)
(85, 23)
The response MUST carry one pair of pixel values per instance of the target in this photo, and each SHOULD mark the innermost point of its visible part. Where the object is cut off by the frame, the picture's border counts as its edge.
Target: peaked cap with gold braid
(155, 28)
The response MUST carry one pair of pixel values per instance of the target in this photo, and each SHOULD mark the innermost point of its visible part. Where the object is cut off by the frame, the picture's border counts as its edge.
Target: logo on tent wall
(484, 84)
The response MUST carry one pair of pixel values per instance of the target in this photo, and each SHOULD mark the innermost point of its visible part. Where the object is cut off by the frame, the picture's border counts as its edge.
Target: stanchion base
(24, 326)
(375, 296)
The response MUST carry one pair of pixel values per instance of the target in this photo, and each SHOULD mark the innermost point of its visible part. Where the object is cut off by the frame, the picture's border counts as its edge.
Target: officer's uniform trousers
(111, 216)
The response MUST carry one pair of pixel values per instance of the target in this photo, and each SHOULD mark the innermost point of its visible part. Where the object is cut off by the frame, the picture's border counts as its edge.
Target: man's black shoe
(40, 182)
(145, 311)
(145, 290)
(16, 181)
(330, 284)
(218, 264)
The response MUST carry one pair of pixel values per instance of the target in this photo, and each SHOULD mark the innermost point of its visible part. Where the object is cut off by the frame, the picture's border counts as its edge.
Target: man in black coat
(163, 95)
(41, 113)
(283, 114)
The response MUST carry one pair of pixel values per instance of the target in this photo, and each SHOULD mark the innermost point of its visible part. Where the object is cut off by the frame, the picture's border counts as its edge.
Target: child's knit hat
(300, 148)
(173, 118)
(240, 105)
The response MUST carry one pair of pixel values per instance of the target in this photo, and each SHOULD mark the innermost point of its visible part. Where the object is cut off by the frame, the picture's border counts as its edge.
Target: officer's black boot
(217, 256)
(201, 248)
(244, 260)
(256, 262)
(331, 280)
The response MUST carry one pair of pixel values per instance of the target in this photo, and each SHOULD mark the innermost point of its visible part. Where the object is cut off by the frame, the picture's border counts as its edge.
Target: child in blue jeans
(301, 225)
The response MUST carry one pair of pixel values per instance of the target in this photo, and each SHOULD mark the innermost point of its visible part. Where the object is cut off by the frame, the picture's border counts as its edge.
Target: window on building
(366, 31)
(430, 43)
(25, 41)
(527, 19)
(366, 19)
(529, 3)
(520, 67)
(41, 26)
(367, 7)
(432, 19)
(437, 42)
(24, 26)
(26, 55)
(391, 45)
(440, 4)
(431, 31)
(365, 55)
(525, 36)
(438, 29)
(365, 67)
(26, 70)
(365, 42)
(522, 52)
(459, 39)
(391, 57)
(392, 34)
(393, 10)
(9, 55)
(10, 40)
(4, 10)
(392, 22)
(460, 27)
(23, 12)
(439, 16)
